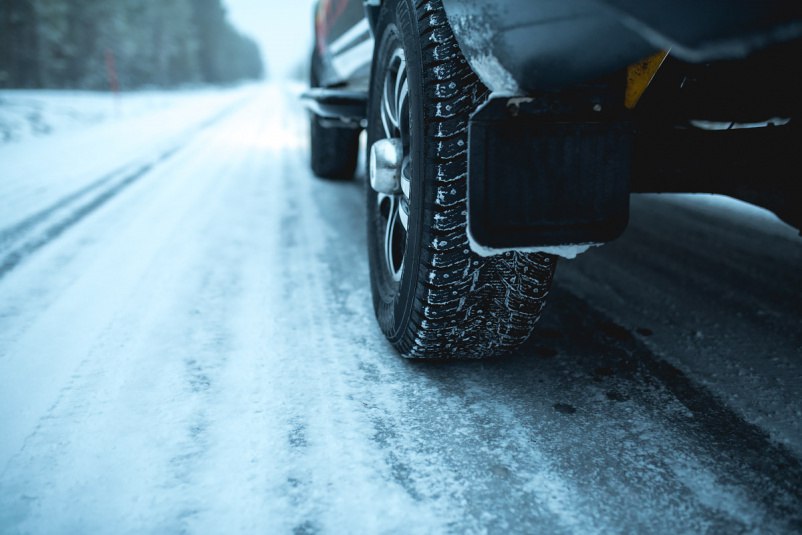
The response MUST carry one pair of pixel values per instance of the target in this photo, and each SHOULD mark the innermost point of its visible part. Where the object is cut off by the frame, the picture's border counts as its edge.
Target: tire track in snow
(335, 477)
(36, 231)
(283, 420)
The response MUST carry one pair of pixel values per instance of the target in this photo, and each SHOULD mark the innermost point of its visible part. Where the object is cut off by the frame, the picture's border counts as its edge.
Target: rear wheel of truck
(333, 149)
(333, 145)
(433, 296)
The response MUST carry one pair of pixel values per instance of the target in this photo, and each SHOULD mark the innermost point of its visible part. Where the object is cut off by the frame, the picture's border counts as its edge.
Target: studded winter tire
(433, 296)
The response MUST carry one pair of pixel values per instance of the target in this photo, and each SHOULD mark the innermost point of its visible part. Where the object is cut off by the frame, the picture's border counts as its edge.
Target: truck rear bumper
(523, 46)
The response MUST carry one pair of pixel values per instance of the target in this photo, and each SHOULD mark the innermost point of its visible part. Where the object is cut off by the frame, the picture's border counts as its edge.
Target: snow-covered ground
(26, 114)
(187, 345)
(84, 138)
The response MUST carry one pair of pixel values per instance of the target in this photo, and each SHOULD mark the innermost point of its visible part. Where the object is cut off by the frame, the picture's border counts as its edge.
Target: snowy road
(187, 344)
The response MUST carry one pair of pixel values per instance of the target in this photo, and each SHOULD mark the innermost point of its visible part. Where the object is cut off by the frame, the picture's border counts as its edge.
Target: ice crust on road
(198, 353)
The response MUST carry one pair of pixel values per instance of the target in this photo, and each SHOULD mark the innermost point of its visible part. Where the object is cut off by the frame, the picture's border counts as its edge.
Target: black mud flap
(544, 174)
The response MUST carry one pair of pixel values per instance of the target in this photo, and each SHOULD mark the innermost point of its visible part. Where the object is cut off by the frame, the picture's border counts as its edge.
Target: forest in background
(98, 44)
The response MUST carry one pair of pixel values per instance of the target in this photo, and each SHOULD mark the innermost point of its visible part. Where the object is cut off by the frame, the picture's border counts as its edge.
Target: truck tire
(333, 149)
(433, 296)
(333, 146)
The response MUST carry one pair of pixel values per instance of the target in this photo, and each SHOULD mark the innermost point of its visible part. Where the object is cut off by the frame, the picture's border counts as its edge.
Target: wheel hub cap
(386, 156)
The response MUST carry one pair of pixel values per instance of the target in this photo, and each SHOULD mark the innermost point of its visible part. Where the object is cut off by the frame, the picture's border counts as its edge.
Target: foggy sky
(283, 29)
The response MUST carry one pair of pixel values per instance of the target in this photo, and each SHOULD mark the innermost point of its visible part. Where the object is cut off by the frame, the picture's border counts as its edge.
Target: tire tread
(333, 151)
(465, 305)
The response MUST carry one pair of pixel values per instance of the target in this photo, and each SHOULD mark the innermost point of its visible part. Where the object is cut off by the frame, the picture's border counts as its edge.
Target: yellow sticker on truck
(639, 76)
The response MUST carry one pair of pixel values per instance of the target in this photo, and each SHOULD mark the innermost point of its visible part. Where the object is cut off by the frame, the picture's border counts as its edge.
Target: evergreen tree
(71, 43)
(18, 44)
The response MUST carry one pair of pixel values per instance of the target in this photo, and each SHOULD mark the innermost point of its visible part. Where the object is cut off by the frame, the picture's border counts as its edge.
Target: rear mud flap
(543, 175)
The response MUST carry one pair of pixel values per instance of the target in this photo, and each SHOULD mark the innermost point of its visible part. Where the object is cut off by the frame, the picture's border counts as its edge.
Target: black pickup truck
(504, 133)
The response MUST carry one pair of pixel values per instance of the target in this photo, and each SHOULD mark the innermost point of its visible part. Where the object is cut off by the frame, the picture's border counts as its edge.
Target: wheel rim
(390, 167)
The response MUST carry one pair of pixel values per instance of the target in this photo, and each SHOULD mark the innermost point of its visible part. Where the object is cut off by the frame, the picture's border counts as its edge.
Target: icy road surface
(187, 345)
